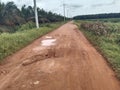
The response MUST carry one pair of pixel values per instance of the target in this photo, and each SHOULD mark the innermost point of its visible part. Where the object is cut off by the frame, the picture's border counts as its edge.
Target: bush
(97, 27)
(27, 26)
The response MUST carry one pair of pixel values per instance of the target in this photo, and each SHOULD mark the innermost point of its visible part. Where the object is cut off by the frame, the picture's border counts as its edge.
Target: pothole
(45, 54)
(49, 53)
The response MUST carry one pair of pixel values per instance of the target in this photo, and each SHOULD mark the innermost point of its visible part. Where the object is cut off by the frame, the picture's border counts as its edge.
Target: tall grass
(11, 42)
(109, 44)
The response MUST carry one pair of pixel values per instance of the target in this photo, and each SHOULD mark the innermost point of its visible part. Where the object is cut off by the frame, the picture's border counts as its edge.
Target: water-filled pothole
(48, 42)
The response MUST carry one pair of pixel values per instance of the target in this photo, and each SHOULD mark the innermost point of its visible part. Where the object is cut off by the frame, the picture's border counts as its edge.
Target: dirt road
(60, 60)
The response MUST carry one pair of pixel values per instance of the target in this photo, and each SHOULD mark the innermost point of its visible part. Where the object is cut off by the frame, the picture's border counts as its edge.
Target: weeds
(27, 26)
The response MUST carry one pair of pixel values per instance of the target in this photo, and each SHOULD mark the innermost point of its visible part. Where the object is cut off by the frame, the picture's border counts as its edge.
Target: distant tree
(27, 12)
(11, 15)
(2, 5)
(98, 16)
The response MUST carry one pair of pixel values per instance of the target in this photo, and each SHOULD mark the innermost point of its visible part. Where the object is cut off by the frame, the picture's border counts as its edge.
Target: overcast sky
(74, 7)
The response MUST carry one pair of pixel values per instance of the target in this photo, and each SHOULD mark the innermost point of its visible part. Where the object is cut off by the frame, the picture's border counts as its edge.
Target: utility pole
(64, 11)
(67, 13)
(36, 14)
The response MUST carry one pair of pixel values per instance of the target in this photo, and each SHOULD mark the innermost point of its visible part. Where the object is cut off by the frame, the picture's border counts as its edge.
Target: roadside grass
(12, 42)
(108, 45)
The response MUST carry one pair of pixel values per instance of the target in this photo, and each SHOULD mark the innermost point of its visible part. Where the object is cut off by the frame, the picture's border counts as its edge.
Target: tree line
(97, 16)
(11, 15)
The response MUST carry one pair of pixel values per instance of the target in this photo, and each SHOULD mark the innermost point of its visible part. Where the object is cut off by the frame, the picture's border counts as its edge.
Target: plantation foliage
(11, 15)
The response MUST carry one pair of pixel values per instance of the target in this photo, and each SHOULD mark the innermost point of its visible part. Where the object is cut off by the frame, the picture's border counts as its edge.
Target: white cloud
(114, 2)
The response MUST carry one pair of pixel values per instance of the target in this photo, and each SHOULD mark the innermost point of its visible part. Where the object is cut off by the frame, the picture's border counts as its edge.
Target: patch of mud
(48, 42)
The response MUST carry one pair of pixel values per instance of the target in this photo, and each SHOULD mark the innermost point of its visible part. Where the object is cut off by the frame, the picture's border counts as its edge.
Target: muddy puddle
(48, 41)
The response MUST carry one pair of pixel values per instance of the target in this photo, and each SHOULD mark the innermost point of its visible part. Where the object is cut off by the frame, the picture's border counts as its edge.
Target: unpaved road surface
(60, 60)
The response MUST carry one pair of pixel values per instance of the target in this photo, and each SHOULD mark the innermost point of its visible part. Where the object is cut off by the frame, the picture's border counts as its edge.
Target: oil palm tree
(11, 14)
(2, 5)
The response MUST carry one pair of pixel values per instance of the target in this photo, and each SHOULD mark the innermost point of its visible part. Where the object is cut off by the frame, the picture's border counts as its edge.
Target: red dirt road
(71, 63)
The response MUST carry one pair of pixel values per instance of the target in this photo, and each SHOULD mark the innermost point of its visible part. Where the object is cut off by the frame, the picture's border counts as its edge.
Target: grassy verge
(12, 42)
(108, 43)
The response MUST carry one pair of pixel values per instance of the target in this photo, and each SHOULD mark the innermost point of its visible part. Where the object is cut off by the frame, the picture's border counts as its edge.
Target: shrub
(97, 27)
(26, 26)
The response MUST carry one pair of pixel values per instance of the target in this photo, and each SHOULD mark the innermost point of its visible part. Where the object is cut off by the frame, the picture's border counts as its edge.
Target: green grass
(12, 42)
(108, 45)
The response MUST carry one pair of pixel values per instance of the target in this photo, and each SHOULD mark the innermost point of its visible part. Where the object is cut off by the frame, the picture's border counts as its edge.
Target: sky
(74, 7)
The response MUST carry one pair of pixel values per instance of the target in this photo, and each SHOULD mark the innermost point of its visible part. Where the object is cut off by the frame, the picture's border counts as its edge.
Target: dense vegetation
(11, 42)
(11, 16)
(106, 38)
(97, 16)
